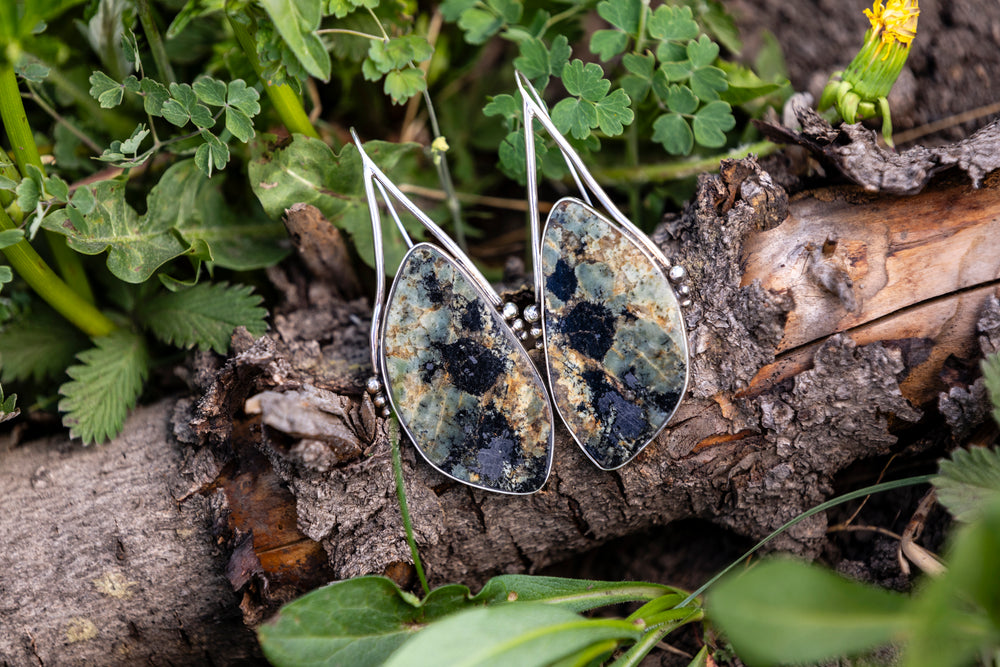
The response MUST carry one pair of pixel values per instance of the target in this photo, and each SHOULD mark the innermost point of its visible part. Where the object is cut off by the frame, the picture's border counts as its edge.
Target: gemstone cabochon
(614, 337)
(463, 387)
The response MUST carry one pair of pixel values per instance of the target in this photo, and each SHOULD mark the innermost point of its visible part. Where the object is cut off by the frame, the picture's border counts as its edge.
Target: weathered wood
(102, 565)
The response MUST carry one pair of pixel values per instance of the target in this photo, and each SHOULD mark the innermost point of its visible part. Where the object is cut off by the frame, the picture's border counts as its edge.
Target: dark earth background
(953, 69)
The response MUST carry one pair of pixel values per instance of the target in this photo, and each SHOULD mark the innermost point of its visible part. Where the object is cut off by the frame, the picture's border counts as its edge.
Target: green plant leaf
(585, 81)
(673, 133)
(525, 634)
(183, 106)
(33, 72)
(136, 247)
(296, 21)
(479, 24)
(154, 94)
(204, 315)
(38, 345)
(105, 385)
(106, 90)
(308, 171)
(211, 155)
(573, 594)
(708, 82)
(613, 112)
(210, 91)
(703, 52)
(785, 611)
(8, 407)
(639, 80)
(956, 616)
(681, 99)
(403, 84)
(969, 482)
(502, 105)
(608, 43)
(744, 85)
(672, 23)
(538, 62)
(356, 622)
(575, 116)
(623, 14)
(711, 124)
(239, 237)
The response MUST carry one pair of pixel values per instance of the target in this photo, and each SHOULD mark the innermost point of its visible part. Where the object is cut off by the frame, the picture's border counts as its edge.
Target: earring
(614, 339)
(455, 374)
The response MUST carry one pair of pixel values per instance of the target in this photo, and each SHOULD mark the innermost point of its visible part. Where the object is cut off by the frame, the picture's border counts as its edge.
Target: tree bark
(101, 565)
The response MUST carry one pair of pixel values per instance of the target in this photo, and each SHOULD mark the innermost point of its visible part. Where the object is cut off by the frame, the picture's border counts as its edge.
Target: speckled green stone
(614, 337)
(463, 387)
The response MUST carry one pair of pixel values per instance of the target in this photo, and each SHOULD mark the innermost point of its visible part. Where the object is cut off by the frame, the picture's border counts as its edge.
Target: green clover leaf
(708, 82)
(575, 116)
(673, 133)
(586, 81)
(614, 112)
(711, 124)
(703, 52)
(403, 84)
(154, 95)
(106, 90)
(681, 99)
(608, 43)
(623, 14)
(672, 23)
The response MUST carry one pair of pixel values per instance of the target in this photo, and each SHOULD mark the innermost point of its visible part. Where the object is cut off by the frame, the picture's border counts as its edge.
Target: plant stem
(155, 40)
(15, 122)
(285, 101)
(57, 117)
(345, 31)
(33, 269)
(670, 171)
(116, 123)
(404, 509)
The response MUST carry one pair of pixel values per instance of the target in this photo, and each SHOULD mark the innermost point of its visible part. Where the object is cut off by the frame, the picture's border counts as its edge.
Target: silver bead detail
(539, 344)
(677, 273)
(517, 325)
(532, 314)
(536, 331)
(509, 311)
(686, 303)
(373, 385)
(523, 335)
(386, 413)
(380, 401)
(683, 290)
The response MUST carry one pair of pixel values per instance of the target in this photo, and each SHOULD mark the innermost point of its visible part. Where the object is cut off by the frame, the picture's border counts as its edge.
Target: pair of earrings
(451, 355)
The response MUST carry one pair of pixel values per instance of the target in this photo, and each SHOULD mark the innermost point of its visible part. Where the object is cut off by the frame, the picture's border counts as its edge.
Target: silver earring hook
(533, 108)
(372, 174)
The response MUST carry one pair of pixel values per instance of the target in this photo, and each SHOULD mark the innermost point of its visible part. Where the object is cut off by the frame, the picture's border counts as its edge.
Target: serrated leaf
(673, 133)
(29, 193)
(296, 21)
(787, 612)
(403, 84)
(672, 23)
(968, 482)
(640, 65)
(614, 112)
(8, 184)
(105, 385)
(38, 345)
(707, 83)
(210, 91)
(308, 171)
(534, 59)
(106, 90)
(672, 71)
(711, 123)
(586, 81)
(154, 94)
(131, 145)
(175, 113)
(623, 14)
(131, 84)
(681, 99)
(204, 315)
(136, 247)
(57, 188)
(608, 43)
(702, 52)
